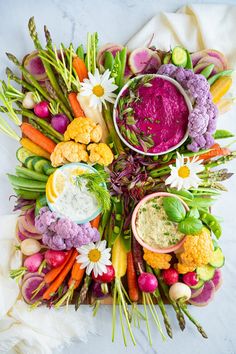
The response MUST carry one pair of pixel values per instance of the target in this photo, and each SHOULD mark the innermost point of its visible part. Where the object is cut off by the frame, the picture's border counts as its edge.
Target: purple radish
(30, 275)
(206, 295)
(28, 221)
(217, 279)
(28, 234)
(195, 57)
(42, 109)
(196, 292)
(60, 122)
(97, 291)
(153, 65)
(147, 282)
(109, 47)
(144, 60)
(28, 288)
(35, 66)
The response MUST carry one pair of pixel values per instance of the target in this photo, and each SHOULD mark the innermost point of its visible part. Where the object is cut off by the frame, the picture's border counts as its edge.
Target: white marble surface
(117, 21)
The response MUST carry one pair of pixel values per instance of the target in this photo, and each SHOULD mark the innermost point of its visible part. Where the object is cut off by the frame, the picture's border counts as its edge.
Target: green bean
(211, 221)
(207, 70)
(213, 79)
(222, 134)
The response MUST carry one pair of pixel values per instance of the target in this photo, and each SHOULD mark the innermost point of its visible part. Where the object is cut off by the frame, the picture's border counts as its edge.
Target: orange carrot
(76, 108)
(76, 275)
(52, 289)
(80, 68)
(37, 137)
(34, 148)
(132, 279)
(216, 150)
(95, 222)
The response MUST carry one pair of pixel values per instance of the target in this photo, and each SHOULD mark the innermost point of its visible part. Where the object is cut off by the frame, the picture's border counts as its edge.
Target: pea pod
(25, 194)
(80, 52)
(182, 193)
(223, 134)
(211, 222)
(109, 61)
(207, 70)
(118, 219)
(215, 77)
(189, 64)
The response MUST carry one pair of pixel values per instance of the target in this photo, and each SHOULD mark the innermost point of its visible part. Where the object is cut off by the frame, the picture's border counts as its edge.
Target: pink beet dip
(152, 114)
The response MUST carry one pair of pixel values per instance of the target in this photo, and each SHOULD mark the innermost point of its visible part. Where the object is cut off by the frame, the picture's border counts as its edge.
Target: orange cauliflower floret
(100, 153)
(157, 260)
(69, 151)
(83, 130)
(197, 251)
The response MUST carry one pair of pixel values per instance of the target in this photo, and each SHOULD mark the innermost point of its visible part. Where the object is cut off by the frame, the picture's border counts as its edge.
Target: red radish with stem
(60, 122)
(147, 282)
(31, 264)
(105, 277)
(190, 278)
(170, 276)
(41, 109)
(55, 258)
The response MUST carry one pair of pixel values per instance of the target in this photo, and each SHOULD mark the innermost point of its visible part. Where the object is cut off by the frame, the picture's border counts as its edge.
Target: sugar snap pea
(223, 134)
(212, 79)
(211, 221)
(207, 70)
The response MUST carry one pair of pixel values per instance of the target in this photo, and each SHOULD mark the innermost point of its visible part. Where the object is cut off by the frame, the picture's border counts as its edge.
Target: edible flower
(94, 257)
(184, 173)
(99, 88)
(157, 260)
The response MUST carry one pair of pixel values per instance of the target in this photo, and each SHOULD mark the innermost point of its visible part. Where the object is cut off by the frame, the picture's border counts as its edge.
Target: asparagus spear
(195, 322)
(47, 66)
(19, 81)
(83, 292)
(165, 289)
(48, 37)
(161, 305)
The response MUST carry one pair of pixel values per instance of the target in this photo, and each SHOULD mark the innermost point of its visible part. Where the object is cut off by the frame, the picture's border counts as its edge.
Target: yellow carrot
(119, 258)
(220, 88)
(225, 104)
(34, 148)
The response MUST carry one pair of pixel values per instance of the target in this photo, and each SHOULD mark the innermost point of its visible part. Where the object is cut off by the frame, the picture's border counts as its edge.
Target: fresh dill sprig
(95, 185)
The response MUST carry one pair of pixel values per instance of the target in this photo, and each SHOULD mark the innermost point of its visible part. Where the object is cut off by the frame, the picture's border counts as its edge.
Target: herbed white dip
(153, 226)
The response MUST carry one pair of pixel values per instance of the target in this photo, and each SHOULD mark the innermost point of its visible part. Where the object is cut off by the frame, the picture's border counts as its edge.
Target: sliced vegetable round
(206, 272)
(179, 56)
(218, 258)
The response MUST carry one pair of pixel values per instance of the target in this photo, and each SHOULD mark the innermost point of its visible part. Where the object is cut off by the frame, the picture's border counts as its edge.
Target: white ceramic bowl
(187, 100)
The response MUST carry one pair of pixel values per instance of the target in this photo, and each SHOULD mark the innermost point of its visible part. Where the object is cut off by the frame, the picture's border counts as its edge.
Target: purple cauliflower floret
(66, 228)
(58, 242)
(44, 219)
(167, 69)
(198, 122)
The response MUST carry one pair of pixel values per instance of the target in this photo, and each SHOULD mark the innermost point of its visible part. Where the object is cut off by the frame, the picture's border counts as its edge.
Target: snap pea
(27, 184)
(200, 202)
(30, 195)
(207, 70)
(215, 77)
(183, 193)
(80, 52)
(223, 134)
(27, 173)
(41, 201)
(211, 221)
(109, 61)
(189, 64)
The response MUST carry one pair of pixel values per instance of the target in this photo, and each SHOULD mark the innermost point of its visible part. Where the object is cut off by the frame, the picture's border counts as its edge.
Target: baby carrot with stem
(75, 105)
(37, 137)
(80, 68)
(132, 278)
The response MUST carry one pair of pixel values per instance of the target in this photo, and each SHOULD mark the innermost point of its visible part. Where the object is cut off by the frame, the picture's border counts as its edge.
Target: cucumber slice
(206, 272)
(218, 259)
(29, 162)
(198, 285)
(22, 154)
(48, 169)
(179, 56)
(38, 163)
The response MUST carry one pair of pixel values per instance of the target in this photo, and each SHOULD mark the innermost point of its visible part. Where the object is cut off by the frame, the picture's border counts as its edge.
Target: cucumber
(38, 163)
(179, 56)
(25, 172)
(41, 202)
(206, 272)
(22, 154)
(48, 169)
(27, 184)
(198, 285)
(218, 259)
(26, 194)
(29, 162)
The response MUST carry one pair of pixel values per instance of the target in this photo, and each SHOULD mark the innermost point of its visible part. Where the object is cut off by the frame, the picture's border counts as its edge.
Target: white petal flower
(99, 88)
(184, 173)
(94, 257)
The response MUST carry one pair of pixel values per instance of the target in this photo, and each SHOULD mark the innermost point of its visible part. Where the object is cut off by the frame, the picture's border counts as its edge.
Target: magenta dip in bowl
(151, 114)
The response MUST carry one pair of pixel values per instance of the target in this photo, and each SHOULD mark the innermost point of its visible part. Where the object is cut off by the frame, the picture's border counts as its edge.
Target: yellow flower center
(94, 255)
(98, 90)
(184, 172)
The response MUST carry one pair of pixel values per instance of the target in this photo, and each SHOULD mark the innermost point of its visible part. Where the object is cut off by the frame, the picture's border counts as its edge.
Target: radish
(35, 66)
(60, 122)
(27, 234)
(55, 258)
(105, 277)
(212, 60)
(196, 292)
(30, 247)
(147, 282)
(144, 61)
(42, 109)
(97, 291)
(30, 275)
(21, 236)
(180, 291)
(190, 278)
(28, 288)
(170, 276)
(31, 265)
(28, 101)
(201, 66)
(206, 295)
(217, 279)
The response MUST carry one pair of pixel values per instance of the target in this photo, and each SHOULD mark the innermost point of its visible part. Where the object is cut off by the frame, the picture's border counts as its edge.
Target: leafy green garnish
(95, 185)
(174, 209)
(190, 225)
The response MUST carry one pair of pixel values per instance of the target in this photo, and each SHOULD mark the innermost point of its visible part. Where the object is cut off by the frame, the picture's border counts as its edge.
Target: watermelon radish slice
(30, 275)
(25, 233)
(206, 295)
(217, 279)
(29, 286)
(214, 54)
(35, 66)
(211, 60)
(144, 61)
(21, 237)
(196, 292)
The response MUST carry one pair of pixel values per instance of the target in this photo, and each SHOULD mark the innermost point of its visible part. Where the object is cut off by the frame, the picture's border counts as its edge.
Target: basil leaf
(190, 226)
(193, 213)
(174, 209)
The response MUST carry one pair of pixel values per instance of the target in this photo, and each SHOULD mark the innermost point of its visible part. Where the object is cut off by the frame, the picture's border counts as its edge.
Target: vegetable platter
(120, 163)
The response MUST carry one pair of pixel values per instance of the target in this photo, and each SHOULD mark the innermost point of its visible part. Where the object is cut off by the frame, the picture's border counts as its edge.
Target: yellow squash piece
(220, 88)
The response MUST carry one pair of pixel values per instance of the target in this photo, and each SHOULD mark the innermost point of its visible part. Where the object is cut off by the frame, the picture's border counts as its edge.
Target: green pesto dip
(153, 226)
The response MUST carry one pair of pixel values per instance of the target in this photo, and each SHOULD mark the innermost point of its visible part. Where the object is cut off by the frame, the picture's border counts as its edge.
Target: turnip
(147, 282)
(29, 101)
(30, 247)
(170, 276)
(206, 295)
(180, 291)
(60, 122)
(28, 288)
(42, 109)
(55, 258)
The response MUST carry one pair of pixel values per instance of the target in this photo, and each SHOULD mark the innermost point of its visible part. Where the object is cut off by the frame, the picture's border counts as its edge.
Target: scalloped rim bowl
(187, 100)
(134, 217)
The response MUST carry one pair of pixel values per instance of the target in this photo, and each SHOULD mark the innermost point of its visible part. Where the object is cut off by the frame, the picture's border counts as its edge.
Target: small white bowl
(187, 100)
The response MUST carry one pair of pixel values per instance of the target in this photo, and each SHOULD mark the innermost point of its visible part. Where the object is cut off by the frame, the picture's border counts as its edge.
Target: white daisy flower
(99, 88)
(94, 257)
(184, 174)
